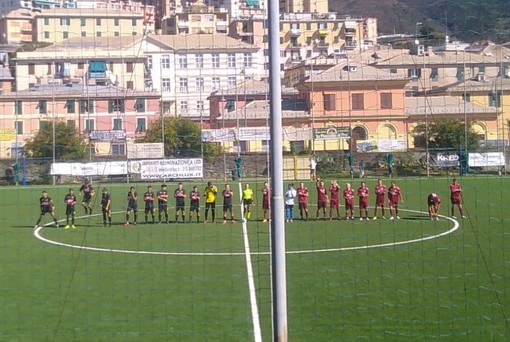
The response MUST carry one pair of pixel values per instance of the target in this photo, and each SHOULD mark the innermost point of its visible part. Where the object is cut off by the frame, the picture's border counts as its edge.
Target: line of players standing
(393, 193)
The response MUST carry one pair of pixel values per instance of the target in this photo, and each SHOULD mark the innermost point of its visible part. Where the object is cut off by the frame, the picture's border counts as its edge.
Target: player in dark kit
(434, 201)
(148, 198)
(106, 207)
(132, 205)
(162, 203)
(47, 207)
(70, 201)
(266, 202)
(180, 196)
(194, 204)
(227, 204)
(87, 191)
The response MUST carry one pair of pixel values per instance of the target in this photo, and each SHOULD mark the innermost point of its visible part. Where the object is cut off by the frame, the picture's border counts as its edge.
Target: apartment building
(16, 27)
(186, 69)
(107, 116)
(304, 6)
(197, 18)
(88, 60)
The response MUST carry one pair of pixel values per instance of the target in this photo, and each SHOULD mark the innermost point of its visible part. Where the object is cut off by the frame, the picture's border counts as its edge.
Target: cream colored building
(55, 25)
(304, 6)
(197, 18)
(16, 27)
(91, 60)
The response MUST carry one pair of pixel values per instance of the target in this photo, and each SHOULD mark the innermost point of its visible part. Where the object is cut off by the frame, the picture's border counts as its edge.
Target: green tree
(446, 133)
(68, 143)
(183, 138)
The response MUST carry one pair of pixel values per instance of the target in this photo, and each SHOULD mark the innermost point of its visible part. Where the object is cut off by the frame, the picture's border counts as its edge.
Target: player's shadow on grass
(416, 218)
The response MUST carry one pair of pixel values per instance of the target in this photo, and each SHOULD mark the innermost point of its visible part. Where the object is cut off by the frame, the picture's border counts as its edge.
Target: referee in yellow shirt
(247, 201)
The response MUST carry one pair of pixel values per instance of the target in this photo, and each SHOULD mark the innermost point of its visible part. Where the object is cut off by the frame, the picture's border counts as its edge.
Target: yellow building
(306, 6)
(16, 27)
(58, 24)
(197, 18)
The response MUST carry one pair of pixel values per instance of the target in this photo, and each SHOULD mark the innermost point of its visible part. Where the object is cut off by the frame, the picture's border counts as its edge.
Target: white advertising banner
(391, 145)
(297, 134)
(89, 169)
(486, 159)
(218, 135)
(145, 151)
(170, 168)
(253, 133)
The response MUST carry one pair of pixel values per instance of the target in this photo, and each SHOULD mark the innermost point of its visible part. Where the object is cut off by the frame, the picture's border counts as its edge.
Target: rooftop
(87, 12)
(354, 71)
(260, 110)
(198, 41)
(78, 90)
(441, 105)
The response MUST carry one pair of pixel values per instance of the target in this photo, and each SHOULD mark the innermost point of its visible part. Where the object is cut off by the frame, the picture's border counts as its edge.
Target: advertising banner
(486, 159)
(170, 168)
(444, 159)
(7, 134)
(107, 136)
(218, 135)
(145, 151)
(89, 169)
(365, 146)
(391, 145)
(253, 133)
(331, 133)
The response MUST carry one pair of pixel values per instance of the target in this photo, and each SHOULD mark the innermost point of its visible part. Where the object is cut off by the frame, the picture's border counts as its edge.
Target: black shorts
(70, 210)
(227, 207)
(194, 207)
(104, 209)
(86, 199)
(179, 207)
(46, 209)
(247, 201)
(149, 207)
(211, 205)
(162, 206)
(133, 208)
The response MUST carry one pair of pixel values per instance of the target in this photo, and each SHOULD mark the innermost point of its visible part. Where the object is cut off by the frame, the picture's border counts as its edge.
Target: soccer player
(247, 201)
(87, 191)
(106, 207)
(394, 194)
(47, 207)
(456, 198)
(266, 194)
(363, 201)
(210, 200)
(70, 201)
(302, 194)
(349, 201)
(228, 196)
(380, 197)
(334, 190)
(290, 194)
(180, 196)
(434, 201)
(313, 166)
(162, 203)
(322, 199)
(194, 205)
(148, 198)
(132, 206)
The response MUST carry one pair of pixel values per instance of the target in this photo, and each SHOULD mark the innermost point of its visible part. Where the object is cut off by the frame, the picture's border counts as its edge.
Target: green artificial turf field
(346, 280)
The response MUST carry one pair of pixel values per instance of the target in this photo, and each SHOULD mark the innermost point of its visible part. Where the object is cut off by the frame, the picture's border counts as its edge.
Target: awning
(97, 66)
(252, 3)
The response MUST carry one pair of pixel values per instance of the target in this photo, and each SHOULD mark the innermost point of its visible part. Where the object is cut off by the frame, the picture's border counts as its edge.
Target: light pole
(422, 74)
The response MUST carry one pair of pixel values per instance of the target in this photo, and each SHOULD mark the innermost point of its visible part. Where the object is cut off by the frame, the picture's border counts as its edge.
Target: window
(165, 84)
(43, 107)
(386, 101)
(71, 123)
(230, 105)
(133, 22)
(18, 107)
(183, 61)
(149, 62)
(329, 102)
(308, 26)
(65, 21)
(140, 105)
(199, 84)
(117, 124)
(183, 85)
(357, 101)
(116, 106)
(434, 74)
(266, 52)
(393, 71)
(231, 60)
(98, 21)
(83, 22)
(18, 126)
(141, 125)
(199, 60)
(200, 106)
(71, 106)
(89, 125)
(129, 66)
(46, 21)
(31, 68)
(494, 99)
(460, 73)
(248, 60)
(86, 106)
(215, 60)
(81, 66)
(240, 146)
(215, 83)
(265, 38)
(98, 34)
(130, 85)
(336, 40)
(116, 22)
(43, 125)
(466, 97)
(481, 69)
(46, 35)
(165, 61)
(184, 107)
(65, 34)
(232, 81)
(118, 149)
(414, 73)
(359, 133)
(83, 33)
(165, 107)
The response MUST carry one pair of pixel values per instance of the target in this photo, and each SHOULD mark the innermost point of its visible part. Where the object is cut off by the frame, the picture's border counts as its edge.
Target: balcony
(350, 28)
(323, 31)
(295, 32)
(294, 46)
(351, 44)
